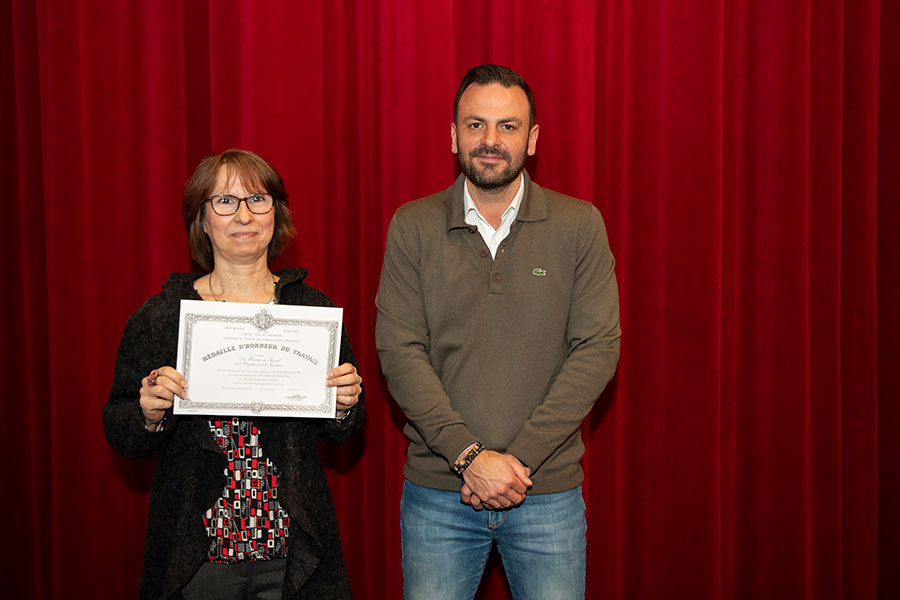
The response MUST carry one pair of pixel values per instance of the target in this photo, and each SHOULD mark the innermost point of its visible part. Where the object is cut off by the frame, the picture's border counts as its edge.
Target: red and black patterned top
(247, 522)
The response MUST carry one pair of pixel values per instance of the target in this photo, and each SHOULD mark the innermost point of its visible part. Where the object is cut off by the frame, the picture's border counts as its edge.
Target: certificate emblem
(263, 320)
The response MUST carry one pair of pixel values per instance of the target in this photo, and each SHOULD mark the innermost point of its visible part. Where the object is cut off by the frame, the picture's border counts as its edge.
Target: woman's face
(241, 238)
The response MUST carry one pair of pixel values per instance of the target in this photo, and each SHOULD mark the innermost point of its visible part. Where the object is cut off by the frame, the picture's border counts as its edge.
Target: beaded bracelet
(462, 465)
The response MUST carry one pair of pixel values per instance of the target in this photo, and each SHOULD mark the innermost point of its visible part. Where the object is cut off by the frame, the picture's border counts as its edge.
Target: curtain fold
(743, 155)
(888, 230)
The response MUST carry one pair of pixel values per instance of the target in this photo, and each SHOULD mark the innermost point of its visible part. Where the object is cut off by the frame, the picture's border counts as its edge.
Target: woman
(220, 526)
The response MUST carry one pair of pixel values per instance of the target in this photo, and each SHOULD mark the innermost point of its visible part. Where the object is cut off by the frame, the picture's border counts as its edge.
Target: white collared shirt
(492, 237)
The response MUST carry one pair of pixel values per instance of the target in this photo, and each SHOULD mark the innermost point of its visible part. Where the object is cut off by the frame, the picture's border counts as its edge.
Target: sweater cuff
(529, 449)
(452, 441)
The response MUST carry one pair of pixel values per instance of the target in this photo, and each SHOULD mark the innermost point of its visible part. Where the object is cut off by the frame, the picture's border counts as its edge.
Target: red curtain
(744, 155)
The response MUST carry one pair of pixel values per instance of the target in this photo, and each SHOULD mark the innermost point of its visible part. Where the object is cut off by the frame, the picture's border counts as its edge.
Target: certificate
(268, 360)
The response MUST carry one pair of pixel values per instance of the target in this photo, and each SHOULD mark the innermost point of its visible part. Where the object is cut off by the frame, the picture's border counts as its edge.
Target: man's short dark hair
(486, 74)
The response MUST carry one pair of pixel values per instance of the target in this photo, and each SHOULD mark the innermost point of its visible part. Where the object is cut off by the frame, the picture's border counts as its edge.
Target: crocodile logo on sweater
(539, 272)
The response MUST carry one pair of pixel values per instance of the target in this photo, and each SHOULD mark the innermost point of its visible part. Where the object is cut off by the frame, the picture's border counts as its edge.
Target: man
(498, 327)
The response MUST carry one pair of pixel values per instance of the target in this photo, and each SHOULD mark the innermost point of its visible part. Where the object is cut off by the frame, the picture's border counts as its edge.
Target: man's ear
(532, 139)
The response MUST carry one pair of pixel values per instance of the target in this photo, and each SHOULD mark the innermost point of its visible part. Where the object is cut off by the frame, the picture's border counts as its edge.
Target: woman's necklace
(209, 285)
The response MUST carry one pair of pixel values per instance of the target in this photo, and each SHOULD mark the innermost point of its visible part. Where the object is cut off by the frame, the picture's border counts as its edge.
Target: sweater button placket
(496, 285)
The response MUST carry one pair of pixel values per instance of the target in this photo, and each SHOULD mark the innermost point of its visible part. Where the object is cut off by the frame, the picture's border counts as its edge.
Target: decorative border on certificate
(257, 359)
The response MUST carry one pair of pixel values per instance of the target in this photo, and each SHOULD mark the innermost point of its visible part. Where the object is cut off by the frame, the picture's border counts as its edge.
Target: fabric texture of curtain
(743, 153)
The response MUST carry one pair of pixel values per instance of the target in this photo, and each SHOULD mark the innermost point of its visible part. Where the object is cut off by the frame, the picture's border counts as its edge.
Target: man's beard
(491, 179)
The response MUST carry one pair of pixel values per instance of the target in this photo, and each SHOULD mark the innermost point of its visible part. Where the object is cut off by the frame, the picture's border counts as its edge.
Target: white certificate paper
(270, 360)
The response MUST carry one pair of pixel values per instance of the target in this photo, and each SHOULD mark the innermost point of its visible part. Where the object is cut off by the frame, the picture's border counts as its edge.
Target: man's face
(492, 135)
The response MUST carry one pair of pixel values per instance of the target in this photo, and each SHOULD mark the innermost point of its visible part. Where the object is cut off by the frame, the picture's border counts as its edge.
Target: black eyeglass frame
(237, 206)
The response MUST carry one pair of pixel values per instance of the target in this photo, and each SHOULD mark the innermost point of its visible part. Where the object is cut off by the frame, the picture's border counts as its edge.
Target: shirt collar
(469, 207)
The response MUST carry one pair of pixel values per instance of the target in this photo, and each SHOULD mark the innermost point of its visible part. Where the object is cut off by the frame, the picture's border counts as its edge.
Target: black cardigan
(189, 473)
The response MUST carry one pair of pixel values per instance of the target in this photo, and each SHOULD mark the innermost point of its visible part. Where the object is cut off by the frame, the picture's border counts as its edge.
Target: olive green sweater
(511, 351)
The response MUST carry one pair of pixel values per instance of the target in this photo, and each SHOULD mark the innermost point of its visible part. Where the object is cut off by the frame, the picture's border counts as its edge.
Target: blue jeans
(446, 544)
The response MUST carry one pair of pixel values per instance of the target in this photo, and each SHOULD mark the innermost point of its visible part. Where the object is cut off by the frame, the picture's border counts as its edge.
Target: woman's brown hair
(255, 173)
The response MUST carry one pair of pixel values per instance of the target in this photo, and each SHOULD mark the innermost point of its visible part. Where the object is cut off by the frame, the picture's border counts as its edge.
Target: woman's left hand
(349, 385)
